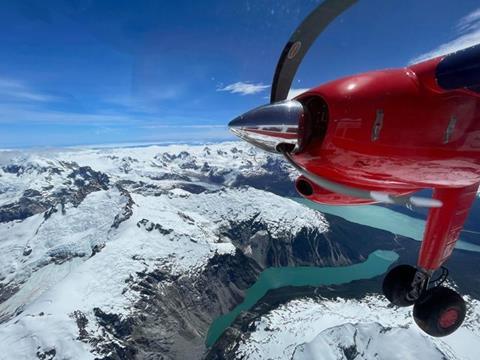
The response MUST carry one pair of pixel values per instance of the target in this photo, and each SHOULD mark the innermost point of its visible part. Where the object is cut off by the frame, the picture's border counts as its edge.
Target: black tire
(440, 311)
(397, 283)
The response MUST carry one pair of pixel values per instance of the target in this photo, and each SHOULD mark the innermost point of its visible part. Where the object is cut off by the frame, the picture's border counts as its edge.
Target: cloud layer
(13, 90)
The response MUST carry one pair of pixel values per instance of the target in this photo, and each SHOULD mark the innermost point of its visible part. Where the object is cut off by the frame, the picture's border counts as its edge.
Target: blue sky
(78, 72)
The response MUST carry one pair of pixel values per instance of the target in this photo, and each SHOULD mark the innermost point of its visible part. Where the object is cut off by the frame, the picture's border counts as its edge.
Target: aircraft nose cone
(238, 122)
(270, 125)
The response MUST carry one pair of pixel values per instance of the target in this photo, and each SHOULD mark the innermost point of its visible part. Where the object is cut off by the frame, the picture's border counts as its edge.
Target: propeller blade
(301, 41)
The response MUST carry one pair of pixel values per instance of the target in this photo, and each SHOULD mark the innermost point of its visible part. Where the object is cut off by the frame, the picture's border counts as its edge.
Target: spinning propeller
(279, 126)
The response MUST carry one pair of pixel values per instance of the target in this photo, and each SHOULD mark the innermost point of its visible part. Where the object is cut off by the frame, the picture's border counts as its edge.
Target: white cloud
(467, 32)
(470, 22)
(12, 114)
(247, 88)
(13, 90)
(244, 88)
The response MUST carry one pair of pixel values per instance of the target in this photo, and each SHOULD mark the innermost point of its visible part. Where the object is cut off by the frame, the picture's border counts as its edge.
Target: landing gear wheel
(397, 283)
(440, 311)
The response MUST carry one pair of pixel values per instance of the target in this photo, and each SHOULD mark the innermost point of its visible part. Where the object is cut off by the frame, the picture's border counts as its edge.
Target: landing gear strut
(437, 310)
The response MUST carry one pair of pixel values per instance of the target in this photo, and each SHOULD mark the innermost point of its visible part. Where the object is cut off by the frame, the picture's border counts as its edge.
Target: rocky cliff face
(172, 316)
(76, 183)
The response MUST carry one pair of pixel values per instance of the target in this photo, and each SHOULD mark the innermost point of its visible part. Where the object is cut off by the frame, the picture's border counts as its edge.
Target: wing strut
(444, 225)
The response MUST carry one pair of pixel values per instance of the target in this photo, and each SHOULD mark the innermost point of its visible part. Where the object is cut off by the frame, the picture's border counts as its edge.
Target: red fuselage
(396, 131)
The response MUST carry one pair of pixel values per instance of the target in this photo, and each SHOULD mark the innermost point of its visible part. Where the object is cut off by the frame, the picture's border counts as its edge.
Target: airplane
(380, 137)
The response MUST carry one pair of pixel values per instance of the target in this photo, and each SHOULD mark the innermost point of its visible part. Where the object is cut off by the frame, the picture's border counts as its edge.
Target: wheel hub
(448, 318)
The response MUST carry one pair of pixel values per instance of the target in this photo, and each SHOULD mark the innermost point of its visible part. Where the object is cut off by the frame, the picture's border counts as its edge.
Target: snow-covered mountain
(133, 252)
(88, 236)
(360, 329)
